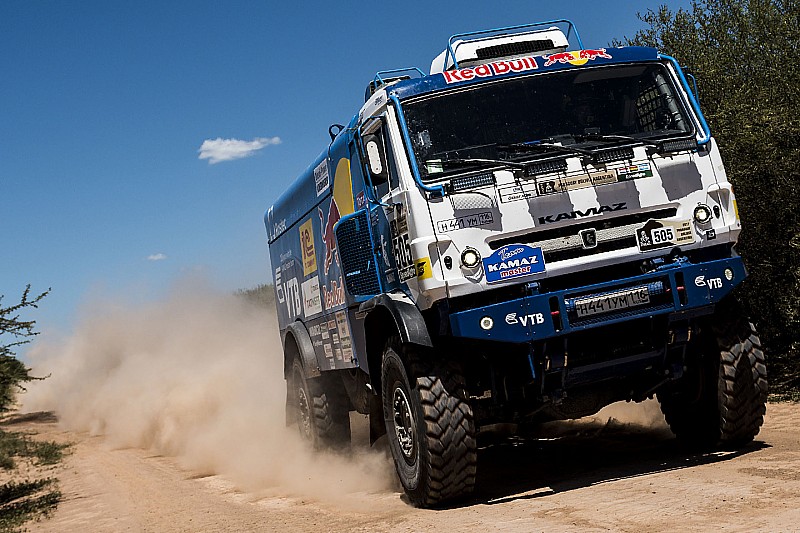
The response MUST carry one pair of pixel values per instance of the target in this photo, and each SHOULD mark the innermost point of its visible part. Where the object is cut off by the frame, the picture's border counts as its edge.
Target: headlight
(470, 258)
(702, 214)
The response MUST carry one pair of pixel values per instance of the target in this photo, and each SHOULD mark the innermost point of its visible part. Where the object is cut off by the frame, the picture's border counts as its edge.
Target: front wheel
(723, 400)
(429, 425)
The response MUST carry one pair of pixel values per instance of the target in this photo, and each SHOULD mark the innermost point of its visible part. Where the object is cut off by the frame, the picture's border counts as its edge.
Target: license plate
(614, 301)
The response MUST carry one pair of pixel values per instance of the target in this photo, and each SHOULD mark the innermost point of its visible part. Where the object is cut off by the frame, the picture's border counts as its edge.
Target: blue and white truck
(529, 232)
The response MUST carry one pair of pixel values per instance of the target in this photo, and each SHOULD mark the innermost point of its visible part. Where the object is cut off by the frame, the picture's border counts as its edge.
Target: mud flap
(377, 427)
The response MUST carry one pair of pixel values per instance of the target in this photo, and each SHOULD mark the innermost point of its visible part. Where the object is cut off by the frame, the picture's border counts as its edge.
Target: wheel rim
(304, 412)
(404, 424)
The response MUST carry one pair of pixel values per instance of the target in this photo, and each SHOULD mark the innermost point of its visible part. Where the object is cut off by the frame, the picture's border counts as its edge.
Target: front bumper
(681, 289)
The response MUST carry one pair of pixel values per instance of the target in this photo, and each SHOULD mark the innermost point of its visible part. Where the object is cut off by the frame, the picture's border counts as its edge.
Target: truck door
(385, 203)
(362, 236)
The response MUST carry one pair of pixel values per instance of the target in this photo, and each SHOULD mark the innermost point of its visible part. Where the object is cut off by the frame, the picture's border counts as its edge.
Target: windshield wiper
(616, 138)
(471, 162)
(546, 146)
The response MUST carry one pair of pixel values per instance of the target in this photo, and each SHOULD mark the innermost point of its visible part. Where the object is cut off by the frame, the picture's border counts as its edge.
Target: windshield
(572, 108)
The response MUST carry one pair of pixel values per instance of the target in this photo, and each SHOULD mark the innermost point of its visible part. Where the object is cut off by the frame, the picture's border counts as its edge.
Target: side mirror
(376, 159)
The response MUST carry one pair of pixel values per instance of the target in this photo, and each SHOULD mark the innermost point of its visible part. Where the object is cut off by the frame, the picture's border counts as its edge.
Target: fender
(407, 317)
(305, 349)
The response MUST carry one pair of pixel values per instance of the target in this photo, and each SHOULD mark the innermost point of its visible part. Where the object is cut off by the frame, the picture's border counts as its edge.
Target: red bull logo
(490, 69)
(328, 236)
(577, 58)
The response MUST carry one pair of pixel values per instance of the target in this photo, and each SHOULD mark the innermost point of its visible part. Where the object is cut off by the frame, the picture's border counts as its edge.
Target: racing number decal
(401, 248)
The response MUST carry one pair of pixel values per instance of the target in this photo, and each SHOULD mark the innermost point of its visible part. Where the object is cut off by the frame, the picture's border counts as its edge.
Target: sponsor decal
(361, 200)
(526, 191)
(575, 182)
(656, 234)
(333, 296)
(344, 336)
(467, 221)
(291, 291)
(322, 179)
(525, 320)
(515, 193)
(423, 268)
(279, 227)
(497, 68)
(328, 236)
(513, 261)
(635, 172)
(577, 58)
(307, 247)
(711, 234)
(711, 283)
(571, 215)
(312, 302)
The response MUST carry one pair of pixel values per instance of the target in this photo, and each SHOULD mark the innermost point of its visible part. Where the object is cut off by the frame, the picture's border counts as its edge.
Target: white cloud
(156, 257)
(219, 149)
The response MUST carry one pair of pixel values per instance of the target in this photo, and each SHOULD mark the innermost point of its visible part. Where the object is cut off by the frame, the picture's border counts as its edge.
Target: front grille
(358, 259)
(561, 244)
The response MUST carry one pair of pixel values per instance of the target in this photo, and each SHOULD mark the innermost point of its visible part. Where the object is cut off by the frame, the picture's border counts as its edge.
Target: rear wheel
(430, 426)
(723, 398)
(321, 409)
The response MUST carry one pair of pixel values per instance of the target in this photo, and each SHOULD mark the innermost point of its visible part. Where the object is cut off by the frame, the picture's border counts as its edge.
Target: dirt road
(593, 475)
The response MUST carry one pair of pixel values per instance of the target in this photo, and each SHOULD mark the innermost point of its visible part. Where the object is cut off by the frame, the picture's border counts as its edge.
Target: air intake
(514, 49)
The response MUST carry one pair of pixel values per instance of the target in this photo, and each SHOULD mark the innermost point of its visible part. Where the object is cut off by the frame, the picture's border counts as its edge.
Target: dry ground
(588, 476)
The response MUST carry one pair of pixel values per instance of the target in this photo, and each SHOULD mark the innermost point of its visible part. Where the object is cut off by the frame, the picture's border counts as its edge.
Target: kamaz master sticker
(657, 234)
(513, 261)
(307, 247)
(635, 172)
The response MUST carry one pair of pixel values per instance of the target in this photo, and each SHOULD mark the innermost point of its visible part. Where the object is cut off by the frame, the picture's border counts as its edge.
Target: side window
(379, 161)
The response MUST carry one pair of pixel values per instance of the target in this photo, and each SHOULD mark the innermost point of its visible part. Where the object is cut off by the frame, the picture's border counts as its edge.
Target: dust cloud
(197, 376)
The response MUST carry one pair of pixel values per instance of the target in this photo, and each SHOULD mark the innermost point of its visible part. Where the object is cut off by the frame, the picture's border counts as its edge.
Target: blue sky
(104, 106)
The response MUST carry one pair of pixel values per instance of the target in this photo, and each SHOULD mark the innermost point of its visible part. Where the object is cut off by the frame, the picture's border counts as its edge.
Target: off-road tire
(439, 463)
(321, 409)
(728, 408)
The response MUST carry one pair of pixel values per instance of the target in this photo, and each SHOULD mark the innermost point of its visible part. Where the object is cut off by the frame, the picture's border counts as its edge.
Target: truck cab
(529, 232)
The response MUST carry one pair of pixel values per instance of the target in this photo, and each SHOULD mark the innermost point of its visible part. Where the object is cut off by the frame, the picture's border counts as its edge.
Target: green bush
(12, 372)
(744, 55)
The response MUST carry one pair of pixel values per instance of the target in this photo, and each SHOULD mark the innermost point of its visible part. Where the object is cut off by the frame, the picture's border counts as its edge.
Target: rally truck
(529, 232)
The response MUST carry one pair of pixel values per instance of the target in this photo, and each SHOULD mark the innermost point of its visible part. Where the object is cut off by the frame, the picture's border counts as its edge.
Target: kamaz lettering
(580, 214)
(510, 240)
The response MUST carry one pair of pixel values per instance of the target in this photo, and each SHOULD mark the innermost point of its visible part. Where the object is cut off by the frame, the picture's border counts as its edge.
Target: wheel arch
(388, 315)
(297, 343)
